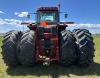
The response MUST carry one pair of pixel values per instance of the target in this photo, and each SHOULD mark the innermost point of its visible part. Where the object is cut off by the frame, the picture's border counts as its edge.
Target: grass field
(55, 70)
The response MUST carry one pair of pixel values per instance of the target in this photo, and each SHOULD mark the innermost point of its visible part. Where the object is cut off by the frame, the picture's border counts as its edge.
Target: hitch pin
(46, 61)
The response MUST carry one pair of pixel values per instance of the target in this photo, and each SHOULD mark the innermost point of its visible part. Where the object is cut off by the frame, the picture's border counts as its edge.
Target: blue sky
(85, 13)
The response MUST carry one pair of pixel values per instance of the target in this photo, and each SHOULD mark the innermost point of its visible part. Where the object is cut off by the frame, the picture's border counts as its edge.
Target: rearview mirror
(28, 16)
(66, 15)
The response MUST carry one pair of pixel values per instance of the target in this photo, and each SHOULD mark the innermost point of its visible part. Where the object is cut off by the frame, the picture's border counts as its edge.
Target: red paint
(58, 4)
(39, 48)
(69, 22)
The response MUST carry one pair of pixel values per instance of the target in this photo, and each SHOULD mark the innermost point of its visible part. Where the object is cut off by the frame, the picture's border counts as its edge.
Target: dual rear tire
(74, 47)
(19, 48)
(66, 48)
(10, 47)
(27, 48)
(84, 47)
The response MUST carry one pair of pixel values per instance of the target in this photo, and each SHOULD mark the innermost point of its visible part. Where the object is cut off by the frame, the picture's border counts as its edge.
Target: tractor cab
(48, 14)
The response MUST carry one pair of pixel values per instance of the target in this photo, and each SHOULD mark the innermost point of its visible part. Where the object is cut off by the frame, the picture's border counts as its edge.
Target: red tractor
(48, 40)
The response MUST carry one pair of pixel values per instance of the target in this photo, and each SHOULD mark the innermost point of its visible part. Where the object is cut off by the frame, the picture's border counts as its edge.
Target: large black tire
(10, 47)
(27, 48)
(84, 47)
(67, 48)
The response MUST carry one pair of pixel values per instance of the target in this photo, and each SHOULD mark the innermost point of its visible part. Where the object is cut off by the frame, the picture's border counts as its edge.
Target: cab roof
(47, 8)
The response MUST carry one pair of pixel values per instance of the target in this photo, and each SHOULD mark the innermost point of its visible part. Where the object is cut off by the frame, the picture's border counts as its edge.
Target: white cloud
(1, 12)
(12, 22)
(17, 23)
(86, 26)
(22, 14)
(30, 21)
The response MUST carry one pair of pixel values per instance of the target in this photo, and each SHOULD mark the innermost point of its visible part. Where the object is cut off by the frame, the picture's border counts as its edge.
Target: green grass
(55, 70)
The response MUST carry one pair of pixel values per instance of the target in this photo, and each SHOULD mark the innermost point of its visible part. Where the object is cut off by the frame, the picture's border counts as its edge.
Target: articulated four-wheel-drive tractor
(46, 40)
